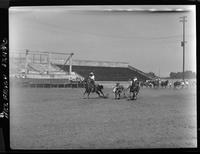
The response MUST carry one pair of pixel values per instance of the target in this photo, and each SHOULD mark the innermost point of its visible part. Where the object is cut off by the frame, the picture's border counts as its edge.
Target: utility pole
(70, 63)
(183, 20)
(26, 63)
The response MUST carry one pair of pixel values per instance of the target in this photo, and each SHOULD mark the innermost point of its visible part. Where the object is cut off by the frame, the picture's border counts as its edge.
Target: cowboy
(92, 80)
(91, 76)
(115, 87)
(133, 84)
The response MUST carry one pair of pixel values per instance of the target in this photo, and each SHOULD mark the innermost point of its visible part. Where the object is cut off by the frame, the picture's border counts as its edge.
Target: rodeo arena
(120, 106)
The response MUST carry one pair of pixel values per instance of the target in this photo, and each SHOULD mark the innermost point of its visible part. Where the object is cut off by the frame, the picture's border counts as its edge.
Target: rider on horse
(116, 87)
(135, 80)
(134, 85)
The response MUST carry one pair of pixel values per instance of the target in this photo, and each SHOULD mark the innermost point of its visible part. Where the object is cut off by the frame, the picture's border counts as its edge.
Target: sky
(148, 40)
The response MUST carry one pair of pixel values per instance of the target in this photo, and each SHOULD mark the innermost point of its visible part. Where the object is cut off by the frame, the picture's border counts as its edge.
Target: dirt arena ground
(62, 119)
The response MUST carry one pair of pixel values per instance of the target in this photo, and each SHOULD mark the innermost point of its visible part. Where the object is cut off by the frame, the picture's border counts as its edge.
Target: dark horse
(178, 84)
(92, 88)
(134, 90)
(164, 84)
(155, 83)
(118, 91)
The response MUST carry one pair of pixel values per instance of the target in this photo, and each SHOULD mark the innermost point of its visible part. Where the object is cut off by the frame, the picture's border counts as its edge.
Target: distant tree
(151, 74)
(179, 75)
(172, 75)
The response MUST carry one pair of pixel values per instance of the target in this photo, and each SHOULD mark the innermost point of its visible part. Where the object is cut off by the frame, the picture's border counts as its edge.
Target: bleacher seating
(107, 73)
(44, 67)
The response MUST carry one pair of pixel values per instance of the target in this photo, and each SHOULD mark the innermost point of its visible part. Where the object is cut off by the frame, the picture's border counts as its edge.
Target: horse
(150, 84)
(134, 90)
(118, 90)
(144, 84)
(164, 84)
(155, 83)
(179, 84)
(170, 84)
(90, 88)
(147, 84)
(186, 84)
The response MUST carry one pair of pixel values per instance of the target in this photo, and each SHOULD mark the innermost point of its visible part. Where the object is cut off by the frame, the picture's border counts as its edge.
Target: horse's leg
(119, 96)
(98, 93)
(135, 95)
(102, 93)
(130, 95)
(124, 93)
(84, 93)
(88, 95)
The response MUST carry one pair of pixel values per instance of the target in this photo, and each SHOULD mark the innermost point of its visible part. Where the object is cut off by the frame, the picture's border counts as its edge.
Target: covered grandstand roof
(104, 70)
(108, 73)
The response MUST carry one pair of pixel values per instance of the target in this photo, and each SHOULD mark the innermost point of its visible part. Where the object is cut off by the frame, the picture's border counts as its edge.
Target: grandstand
(40, 69)
(109, 73)
(49, 69)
